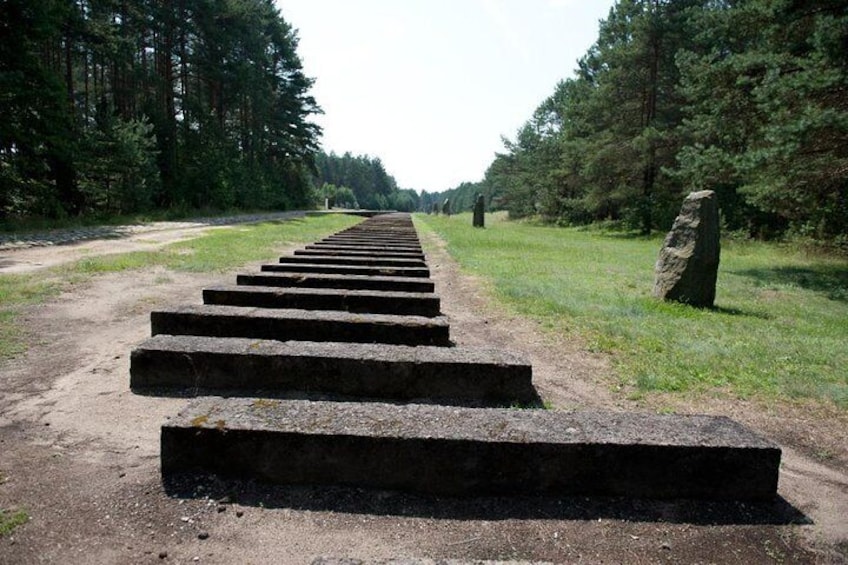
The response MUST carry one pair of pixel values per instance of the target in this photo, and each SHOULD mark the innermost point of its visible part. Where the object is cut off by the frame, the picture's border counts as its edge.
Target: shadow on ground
(530, 399)
(376, 502)
(739, 312)
(830, 280)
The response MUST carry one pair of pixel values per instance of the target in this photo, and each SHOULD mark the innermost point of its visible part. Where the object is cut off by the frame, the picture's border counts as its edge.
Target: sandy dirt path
(42, 251)
(79, 452)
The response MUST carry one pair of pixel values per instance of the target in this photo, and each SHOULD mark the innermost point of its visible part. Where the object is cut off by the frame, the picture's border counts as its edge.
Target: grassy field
(779, 329)
(221, 250)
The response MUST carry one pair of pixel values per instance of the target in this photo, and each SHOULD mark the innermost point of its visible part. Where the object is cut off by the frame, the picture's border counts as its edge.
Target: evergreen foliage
(373, 188)
(462, 197)
(116, 106)
(745, 97)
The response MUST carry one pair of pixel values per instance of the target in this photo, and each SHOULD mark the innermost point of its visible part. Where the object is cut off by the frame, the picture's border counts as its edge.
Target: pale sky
(430, 86)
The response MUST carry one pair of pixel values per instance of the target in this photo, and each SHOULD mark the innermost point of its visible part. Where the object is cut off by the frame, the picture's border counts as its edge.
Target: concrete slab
(352, 282)
(387, 245)
(470, 451)
(364, 260)
(367, 248)
(396, 372)
(360, 301)
(364, 253)
(418, 272)
(407, 561)
(301, 325)
(397, 233)
(411, 239)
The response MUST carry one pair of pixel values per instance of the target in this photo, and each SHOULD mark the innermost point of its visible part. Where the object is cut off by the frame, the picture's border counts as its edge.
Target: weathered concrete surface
(363, 247)
(397, 372)
(406, 561)
(360, 301)
(379, 244)
(395, 234)
(352, 282)
(687, 267)
(470, 451)
(364, 260)
(419, 272)
(364, 253)
(374, 239)
(301, 325)
(406, 230)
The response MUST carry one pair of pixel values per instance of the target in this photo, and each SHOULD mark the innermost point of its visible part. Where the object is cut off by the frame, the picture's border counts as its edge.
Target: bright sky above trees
(430, 86)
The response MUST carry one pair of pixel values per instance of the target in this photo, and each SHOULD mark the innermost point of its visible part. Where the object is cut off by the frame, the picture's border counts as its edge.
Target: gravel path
(12, 241)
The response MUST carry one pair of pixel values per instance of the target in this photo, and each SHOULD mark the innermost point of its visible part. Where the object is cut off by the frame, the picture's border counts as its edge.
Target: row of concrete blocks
(358, 322)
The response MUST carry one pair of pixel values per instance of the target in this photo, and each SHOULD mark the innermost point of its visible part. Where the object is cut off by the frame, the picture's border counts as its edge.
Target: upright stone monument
(479, 206)
(446, 207)
(687, 267)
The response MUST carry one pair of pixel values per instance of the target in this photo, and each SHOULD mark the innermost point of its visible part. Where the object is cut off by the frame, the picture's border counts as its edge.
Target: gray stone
(446, 207)
(449, 450)
(479, 220)
(348, 252)
(366, 246)
(407, 561)
(359, 301)
(403, 236)
(451, 374)
(301, 325)
(389, 241)
(327, 269)
(687, 267)
(352, 282)
(359, 260)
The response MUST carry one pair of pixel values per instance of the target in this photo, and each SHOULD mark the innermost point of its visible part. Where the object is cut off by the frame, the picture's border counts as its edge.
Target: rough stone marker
(479, 220)
(687, 268)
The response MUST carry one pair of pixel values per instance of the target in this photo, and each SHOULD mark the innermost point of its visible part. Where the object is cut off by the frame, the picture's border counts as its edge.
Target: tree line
(745, 97)
(118, 106)
(361, 181)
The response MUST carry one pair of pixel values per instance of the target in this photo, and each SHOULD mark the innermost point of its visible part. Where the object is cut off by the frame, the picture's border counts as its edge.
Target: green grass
(17, 291)
(220, 250)
(779, 329)
(38, 224)
(11, 520)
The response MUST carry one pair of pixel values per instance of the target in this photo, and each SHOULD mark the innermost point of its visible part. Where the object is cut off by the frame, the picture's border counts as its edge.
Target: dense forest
(745, 97)
(117, 106)
(361, 182)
